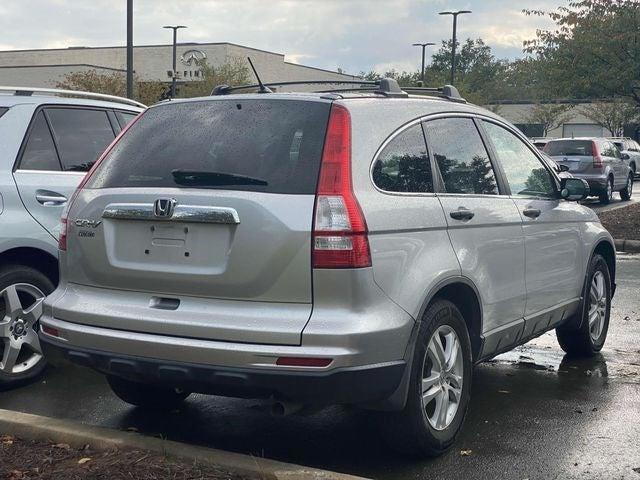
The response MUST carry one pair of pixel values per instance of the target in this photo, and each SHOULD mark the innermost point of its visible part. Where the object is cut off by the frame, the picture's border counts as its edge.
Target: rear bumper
(362, 384)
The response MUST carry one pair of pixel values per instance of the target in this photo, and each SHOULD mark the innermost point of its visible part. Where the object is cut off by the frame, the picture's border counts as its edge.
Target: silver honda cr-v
(362, 248)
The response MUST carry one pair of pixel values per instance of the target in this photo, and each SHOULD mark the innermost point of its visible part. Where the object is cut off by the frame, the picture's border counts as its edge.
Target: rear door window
(81, 136)
(575, 148)
(39, 151)
(124, 117)
(270, 145)
(403, 165)
(461, 157)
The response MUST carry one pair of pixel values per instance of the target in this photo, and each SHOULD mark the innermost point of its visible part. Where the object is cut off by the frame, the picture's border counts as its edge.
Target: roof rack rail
(386, 86)
(29, 91)
(448, 91)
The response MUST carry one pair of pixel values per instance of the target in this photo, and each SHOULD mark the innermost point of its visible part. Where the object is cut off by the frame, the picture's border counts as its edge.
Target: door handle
(50, 199)
(462, 214)
(531, 212)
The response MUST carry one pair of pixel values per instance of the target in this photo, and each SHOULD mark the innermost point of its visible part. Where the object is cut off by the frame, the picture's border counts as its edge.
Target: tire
(589, 338)
(625, 194)
(415, 431)
(147, 396)
(607, 195)
(21, 357)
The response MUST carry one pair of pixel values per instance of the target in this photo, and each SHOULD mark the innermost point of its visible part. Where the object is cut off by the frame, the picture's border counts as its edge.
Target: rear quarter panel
(410, 248)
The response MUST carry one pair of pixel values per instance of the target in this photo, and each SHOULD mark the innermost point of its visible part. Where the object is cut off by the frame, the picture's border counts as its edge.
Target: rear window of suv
(271, 145)
(579, 148)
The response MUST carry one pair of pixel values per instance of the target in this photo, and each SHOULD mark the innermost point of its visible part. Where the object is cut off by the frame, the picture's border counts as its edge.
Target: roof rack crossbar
(29, 91)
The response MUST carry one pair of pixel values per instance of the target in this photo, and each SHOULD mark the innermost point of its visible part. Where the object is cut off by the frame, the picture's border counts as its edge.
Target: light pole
(175, 29)
(424, 46)
(454, 14)
(129, 48)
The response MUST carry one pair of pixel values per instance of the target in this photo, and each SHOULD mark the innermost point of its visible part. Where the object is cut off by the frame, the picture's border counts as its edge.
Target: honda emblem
(163, 207)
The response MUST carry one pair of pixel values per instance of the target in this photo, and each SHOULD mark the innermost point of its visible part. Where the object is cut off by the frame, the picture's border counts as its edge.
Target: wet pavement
(534, 414)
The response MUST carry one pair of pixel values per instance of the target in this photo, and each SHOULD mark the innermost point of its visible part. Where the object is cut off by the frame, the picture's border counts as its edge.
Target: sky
(355, 35)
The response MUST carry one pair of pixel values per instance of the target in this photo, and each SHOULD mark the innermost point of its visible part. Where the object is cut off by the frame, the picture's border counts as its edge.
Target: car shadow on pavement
(515, 408)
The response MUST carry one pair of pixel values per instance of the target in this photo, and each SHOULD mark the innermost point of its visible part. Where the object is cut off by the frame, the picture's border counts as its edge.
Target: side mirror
(563, 168)
(625, 156)
(574, 189)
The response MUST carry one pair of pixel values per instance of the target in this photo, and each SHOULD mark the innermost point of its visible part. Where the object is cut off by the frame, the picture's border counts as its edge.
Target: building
(575, 123)
(47, 67)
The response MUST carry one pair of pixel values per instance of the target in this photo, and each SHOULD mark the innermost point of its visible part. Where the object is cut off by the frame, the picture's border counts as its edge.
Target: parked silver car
(596, 160)
(631, 148)
(48, 140)
(358, 248)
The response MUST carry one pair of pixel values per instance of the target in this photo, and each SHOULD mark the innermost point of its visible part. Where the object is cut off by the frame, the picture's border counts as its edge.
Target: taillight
(64, 221)
(597, 158)
(340, 232)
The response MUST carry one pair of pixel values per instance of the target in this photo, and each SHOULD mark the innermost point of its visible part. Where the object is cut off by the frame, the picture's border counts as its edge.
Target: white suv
(364, 248)
(48, 141)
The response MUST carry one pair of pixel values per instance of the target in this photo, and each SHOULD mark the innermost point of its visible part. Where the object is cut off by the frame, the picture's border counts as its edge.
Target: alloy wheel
(630, 185)
(610, 191)
(442, 377)
(597, 306)
(20, 310)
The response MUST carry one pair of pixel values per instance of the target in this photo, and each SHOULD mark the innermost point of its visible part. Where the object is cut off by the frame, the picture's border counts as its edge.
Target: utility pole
(424, 46)
(175, 29)
(455, 40)
(129, 48)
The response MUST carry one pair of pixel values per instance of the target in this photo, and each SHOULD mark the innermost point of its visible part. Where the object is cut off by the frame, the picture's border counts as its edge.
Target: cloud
(355, 35)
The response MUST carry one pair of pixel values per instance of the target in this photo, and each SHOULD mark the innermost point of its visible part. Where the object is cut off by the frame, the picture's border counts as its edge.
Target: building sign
(191, 58)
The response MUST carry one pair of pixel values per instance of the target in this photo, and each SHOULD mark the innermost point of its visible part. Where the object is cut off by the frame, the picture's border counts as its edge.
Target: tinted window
(39, 151)
(461, 157)
(579, 148)
(257, 145)
(81, 136)
(125, 117)
(3, 110)
(620, 145)
(525, 174)
(403, 165)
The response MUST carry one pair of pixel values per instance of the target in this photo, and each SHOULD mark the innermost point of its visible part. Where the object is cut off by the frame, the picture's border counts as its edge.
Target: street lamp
(423, 45)
(455, 41)
(175, 29)
(129, 48)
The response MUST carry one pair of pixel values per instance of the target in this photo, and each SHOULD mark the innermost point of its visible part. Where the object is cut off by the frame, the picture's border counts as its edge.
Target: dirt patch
(623, 223)
(31, 460)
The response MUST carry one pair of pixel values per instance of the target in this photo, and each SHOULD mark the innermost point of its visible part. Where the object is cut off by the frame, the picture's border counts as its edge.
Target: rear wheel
(439, 387)
(607, 195)
(625, 194)
(22, 292)
(146, 395)
(589, 338)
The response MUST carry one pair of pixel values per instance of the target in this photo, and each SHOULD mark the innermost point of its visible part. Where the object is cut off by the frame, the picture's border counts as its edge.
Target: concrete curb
(35, 427)
(628, 246)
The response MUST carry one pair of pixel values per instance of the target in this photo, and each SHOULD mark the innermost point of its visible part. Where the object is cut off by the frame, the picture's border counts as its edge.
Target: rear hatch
(209, 199)
(577, 155)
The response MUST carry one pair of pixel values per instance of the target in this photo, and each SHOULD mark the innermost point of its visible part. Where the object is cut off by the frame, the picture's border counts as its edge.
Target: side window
(81, 136)
(403, 165)
(461, 156)
(525, 173)
(39, 152)
(3, 110)
(125, 117)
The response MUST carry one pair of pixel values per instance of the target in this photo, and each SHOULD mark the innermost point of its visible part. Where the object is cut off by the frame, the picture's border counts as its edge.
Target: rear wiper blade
(212, 179)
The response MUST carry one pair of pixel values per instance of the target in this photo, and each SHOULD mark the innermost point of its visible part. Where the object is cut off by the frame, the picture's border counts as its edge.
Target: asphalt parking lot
(534, 414)
(594, 203)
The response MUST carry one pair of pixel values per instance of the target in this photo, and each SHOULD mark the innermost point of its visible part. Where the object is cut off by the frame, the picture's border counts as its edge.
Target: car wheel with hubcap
(607, 195)
(22, 293)
(589, 338)
(439, 385)
(625, 194)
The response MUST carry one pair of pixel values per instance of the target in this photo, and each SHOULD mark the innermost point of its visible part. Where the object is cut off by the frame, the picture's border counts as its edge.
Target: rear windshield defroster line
(270, 145)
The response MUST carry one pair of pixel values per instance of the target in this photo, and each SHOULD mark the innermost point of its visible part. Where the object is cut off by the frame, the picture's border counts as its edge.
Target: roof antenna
(263, 89)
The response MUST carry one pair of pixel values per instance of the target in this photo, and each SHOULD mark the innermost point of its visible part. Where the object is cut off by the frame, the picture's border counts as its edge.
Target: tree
(613, 115)
(234, 71)
(549, 115)
(593, 52)
(112, 83)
